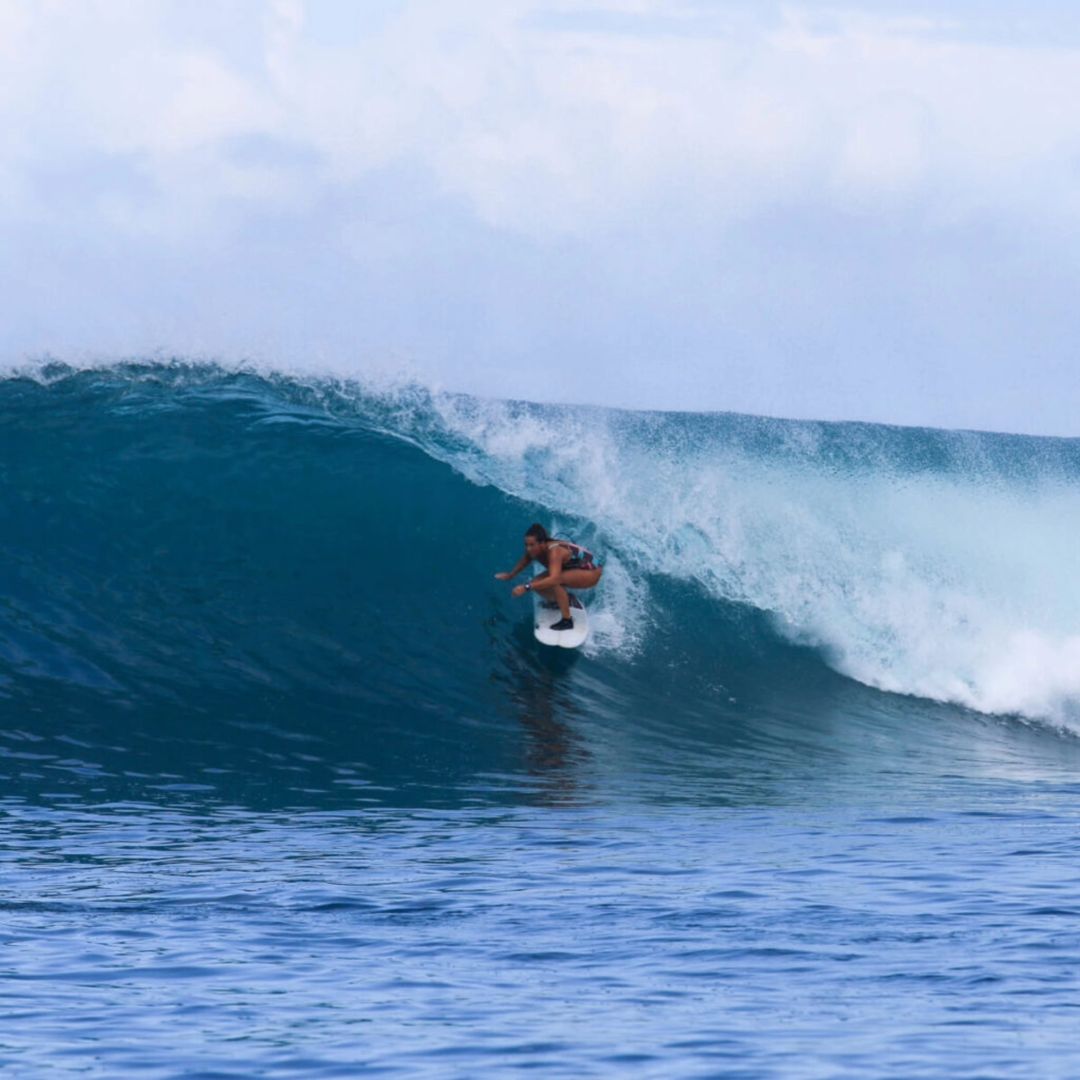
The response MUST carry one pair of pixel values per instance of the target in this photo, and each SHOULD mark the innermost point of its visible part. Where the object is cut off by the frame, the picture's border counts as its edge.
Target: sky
(863, 210)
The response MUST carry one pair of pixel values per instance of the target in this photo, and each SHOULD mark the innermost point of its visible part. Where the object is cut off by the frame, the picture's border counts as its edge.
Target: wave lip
(922, 562)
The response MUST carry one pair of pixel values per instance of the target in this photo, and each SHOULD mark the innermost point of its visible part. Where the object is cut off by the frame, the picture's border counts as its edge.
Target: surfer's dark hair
(539, 532)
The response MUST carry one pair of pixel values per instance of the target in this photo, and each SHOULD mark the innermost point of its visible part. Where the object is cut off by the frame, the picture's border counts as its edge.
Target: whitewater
(288, 788)
(931, 563)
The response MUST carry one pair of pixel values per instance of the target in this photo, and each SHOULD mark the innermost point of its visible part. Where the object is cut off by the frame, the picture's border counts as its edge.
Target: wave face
(193, 539)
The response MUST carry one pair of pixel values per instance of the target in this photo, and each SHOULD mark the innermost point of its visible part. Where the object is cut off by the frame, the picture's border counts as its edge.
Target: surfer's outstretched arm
(521, 564)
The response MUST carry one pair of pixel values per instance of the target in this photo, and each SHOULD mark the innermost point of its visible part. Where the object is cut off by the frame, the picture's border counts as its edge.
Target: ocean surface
(288, 789)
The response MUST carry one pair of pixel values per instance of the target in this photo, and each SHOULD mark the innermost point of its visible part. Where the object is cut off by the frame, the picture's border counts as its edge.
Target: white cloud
(667, 147)
(540, 129)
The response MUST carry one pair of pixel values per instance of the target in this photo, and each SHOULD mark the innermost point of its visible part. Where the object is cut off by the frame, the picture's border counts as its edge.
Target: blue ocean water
(288, 789)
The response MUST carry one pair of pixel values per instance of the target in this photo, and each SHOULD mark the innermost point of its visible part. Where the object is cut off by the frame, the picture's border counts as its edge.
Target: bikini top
(578, 555)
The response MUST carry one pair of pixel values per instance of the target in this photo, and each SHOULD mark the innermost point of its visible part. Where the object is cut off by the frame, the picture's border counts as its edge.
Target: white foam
(961, 585)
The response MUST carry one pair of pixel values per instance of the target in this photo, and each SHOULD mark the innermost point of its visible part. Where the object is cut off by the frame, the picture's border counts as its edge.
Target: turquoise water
(289, 789)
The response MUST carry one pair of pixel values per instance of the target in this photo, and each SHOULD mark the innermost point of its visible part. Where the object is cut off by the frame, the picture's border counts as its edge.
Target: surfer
(567, 564)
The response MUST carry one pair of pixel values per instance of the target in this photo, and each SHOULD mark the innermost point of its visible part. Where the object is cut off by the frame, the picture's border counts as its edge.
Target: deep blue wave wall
(273, 587)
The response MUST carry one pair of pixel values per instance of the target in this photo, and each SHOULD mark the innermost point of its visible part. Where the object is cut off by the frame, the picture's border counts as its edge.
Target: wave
(929, 563)
(176, 530)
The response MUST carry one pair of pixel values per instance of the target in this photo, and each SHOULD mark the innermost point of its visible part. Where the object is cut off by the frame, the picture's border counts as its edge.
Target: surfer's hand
(518, 590)
(503, 577)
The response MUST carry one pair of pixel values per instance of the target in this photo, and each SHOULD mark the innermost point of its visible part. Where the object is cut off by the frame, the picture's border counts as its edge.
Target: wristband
(528, 587)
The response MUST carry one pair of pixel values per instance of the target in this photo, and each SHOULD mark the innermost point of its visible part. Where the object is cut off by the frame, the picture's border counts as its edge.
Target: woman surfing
(568, 565)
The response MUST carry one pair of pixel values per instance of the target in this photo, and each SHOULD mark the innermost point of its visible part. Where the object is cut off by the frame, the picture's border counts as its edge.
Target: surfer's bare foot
(563, 624)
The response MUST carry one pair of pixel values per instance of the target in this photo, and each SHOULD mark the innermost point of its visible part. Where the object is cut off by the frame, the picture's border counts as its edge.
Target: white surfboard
(545, 617)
